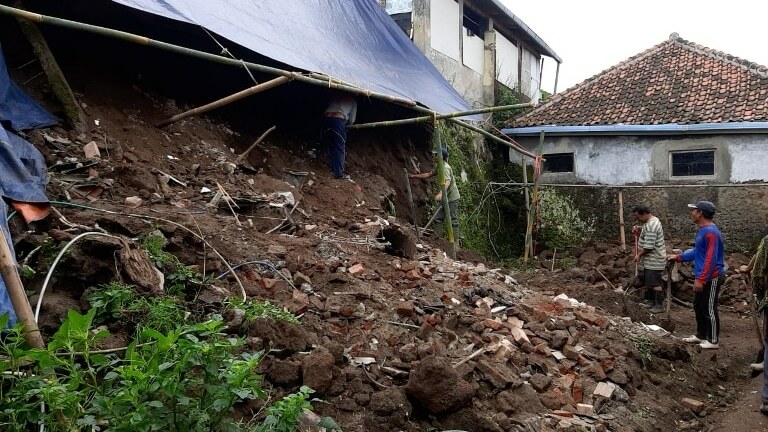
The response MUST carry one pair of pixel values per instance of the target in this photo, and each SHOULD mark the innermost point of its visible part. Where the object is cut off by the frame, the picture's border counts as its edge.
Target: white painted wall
(607, 163)
(474, 51)
(444, 27)
(506, 61)
(531, 84)
(748, 160)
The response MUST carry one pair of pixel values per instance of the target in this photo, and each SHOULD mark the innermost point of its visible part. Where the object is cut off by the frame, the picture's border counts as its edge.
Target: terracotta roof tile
(673, 82)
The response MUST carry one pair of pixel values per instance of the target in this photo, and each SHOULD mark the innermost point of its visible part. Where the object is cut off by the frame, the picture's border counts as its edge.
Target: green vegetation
(120, 301)
(187, 379)
(179, 278)
(643, 345)
(255, 309)
(562, 226)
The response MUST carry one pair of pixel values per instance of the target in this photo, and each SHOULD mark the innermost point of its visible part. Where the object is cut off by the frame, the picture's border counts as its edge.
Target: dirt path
(744, 414)
(738, 407)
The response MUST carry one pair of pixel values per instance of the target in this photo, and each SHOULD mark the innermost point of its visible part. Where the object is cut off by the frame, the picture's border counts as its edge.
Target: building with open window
(674, 117)
(476, 44)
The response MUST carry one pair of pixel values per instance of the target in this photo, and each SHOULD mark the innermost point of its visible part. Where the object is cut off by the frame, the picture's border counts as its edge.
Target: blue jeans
(334, 142)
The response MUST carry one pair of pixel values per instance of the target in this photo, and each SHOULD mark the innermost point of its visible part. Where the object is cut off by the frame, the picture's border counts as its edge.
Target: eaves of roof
(658, 129)
(503, 17)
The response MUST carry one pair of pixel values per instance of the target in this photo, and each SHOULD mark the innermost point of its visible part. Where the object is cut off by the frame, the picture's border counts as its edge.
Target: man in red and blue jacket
(709, 268)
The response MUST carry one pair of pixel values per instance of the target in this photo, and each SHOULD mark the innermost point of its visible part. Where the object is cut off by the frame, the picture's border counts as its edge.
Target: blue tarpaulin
(354, 40)
(23, 173)
(17, 110)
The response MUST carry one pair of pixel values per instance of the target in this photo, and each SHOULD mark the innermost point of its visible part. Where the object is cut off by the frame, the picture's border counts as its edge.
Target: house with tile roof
(476, 44)
(677, 114)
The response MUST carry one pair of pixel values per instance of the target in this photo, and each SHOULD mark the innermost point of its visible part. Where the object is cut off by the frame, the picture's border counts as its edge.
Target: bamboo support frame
(426, 119)
(226, 100)
(329, 83)
(444, 192)
(18, 296)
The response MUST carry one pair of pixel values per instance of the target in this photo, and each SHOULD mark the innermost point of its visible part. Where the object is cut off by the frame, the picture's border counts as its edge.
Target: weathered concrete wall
(620, 160)
(742, 209)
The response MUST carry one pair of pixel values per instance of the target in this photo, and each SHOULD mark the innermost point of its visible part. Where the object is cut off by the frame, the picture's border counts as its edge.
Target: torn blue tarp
(17, 110)
(23, 180)
(23, 174)
(354, 40)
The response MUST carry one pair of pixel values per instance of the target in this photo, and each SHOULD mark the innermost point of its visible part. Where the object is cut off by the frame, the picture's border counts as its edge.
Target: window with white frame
(558, 162)
(692, 163)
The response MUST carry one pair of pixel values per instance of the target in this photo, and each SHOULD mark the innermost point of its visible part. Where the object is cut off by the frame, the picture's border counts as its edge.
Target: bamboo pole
(527, 208)
(529, 244)
(330, 83)
(444, 191)
(226, 100)
(18, 297)
(622, 238)
(425, 119)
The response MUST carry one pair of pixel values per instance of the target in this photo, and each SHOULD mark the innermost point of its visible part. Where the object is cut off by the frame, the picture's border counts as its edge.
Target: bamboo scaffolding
(18, 296)
(426, 119)
(444, 192)
(226, 100)
(330, 82)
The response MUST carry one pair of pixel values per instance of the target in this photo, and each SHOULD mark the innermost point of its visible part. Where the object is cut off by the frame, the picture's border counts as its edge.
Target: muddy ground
(391, 338)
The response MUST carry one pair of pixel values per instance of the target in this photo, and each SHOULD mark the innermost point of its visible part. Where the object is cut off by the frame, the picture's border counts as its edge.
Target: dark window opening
(693, 163)
(474, 23)
(558, 162)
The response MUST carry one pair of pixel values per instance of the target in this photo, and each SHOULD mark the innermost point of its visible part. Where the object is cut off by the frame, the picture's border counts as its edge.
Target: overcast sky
(593, 35)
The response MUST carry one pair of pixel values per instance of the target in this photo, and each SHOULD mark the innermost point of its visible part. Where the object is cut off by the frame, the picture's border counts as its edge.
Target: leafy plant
(178, 276)
(111, 300)
(561, 223)
(188, 379)
(255, 309)
(284, 415)
(643, 345)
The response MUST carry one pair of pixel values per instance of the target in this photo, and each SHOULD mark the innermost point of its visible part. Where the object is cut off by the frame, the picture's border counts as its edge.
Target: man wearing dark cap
(709, 268)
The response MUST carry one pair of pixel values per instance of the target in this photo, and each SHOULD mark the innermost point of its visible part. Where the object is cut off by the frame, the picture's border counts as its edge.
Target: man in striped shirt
(708, 258)
(652, 252)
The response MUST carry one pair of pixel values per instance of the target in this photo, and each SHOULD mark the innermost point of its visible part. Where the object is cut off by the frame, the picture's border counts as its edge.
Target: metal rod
(226, 100)
(425, 119)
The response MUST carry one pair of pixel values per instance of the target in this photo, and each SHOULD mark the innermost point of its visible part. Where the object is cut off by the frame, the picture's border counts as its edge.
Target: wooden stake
(226, 100)
(53, 73)
(410, 200)
(18, 297)
(240, 158)
(622, 238)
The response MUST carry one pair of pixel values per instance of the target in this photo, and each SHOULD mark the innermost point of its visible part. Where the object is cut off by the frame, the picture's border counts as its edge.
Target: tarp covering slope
(354, 40)
(23, 173)
(17, 110)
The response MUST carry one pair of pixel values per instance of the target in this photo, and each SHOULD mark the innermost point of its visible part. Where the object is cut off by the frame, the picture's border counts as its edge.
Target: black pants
(705, 308)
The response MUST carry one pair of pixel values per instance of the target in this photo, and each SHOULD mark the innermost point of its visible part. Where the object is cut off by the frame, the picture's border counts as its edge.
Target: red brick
(405, 308)
(356, 270)
(492, 324)
(562, 413)
(692, 404)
